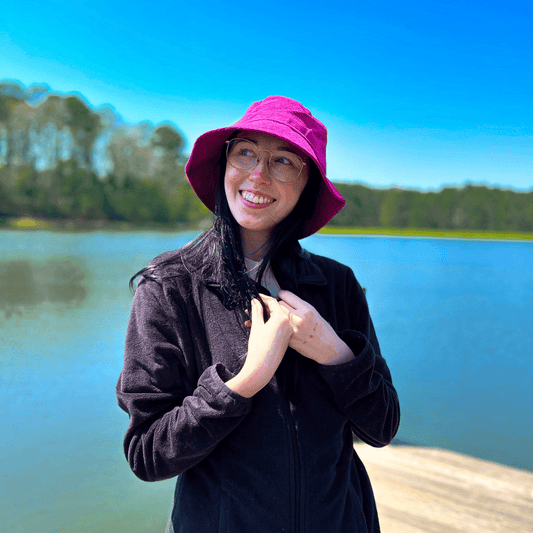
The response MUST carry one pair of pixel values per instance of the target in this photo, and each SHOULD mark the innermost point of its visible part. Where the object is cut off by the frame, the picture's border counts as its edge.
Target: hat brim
(203, 168)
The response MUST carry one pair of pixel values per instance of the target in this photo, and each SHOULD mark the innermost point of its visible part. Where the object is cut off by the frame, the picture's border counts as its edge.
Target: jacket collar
(301, 271)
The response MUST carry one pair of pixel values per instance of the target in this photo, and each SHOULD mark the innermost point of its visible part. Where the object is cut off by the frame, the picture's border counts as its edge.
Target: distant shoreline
(433, 233)
(32, 224)
(82, 225)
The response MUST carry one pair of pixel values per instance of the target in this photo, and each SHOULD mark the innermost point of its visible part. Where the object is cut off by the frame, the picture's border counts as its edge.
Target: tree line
(472, 207)
(62, 159)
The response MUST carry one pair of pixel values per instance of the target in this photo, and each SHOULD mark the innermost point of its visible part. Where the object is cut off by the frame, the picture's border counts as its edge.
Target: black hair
(223, 246)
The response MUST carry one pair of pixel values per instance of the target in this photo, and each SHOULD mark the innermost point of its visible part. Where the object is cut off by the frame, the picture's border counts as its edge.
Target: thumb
(257, 311)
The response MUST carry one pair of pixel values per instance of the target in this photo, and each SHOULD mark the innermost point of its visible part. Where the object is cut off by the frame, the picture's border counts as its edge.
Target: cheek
(293, 192)
(226, 188)
(229, 184)
(290, 198)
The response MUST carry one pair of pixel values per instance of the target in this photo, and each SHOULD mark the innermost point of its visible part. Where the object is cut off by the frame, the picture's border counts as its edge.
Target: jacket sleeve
(176, 417)
(362, 387)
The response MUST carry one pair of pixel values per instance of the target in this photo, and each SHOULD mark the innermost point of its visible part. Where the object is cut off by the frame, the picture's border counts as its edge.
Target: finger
(294, 318)
(257, 311)
(288, 314)
(286, 307)
(248, 324)
(265, 297)
(291, 299)
(271, 304)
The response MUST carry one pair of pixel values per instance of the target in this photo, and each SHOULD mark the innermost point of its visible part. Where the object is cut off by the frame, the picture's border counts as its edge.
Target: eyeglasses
(282, 166)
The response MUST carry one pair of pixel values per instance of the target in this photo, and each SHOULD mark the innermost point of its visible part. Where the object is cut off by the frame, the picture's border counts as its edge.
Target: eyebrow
(281, 148)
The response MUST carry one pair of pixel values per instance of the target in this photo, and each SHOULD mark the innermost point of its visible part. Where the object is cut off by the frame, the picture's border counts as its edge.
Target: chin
(254, 227)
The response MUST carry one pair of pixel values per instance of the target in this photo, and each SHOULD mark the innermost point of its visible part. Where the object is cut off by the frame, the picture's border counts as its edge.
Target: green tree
(84, 125)
(167, 143)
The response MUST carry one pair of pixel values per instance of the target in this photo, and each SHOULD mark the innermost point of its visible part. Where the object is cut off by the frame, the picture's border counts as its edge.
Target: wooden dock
(426, 490)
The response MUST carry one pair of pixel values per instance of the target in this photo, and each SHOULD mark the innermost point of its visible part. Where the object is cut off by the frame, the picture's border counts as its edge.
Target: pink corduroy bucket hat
(280, 116)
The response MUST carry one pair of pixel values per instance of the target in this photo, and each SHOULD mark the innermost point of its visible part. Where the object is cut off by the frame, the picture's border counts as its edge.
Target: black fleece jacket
(282, 461)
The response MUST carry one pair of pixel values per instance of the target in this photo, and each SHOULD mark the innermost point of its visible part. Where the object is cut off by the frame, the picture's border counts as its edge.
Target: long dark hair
(222, 245)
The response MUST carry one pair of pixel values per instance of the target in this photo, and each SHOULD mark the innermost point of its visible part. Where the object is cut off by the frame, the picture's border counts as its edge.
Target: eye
(245, 152)
(284, 160)
(243, 149)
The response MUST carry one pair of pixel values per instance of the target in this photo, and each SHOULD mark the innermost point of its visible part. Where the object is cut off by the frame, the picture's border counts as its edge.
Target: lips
(256, 199)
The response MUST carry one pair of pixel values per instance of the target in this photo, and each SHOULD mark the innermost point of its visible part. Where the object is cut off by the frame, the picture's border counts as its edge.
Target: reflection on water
(453, 318)
(29, 287)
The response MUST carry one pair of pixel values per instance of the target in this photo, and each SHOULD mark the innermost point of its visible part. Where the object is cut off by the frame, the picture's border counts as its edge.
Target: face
(257, 201)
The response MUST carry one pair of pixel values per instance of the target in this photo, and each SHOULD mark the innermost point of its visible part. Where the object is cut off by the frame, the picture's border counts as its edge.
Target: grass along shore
(31, 223)
(81, 225)
(422, 232)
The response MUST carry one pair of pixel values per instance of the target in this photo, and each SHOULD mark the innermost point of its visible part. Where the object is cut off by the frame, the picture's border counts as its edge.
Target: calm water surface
(454, 319)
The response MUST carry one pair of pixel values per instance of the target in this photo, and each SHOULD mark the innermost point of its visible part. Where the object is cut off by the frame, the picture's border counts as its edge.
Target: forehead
(270, 142)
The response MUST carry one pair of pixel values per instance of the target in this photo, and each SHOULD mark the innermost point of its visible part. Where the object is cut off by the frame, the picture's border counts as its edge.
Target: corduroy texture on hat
(285, 118)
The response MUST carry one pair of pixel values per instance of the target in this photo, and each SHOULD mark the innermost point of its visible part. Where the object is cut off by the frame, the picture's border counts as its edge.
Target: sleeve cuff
(214, 379)
(342, 377)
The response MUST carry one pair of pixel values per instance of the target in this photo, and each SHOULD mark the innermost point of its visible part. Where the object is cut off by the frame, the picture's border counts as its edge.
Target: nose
(260, 171)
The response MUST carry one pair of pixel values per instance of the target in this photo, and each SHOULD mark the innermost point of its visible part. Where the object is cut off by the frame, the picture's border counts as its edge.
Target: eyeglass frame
(227, 143)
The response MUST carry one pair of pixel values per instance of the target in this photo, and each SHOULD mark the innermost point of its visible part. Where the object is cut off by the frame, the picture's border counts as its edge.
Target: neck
(254, 244)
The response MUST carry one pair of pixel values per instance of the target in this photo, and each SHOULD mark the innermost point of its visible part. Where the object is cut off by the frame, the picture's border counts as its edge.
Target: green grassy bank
(32, 224)
(29, 223)
(419, 232)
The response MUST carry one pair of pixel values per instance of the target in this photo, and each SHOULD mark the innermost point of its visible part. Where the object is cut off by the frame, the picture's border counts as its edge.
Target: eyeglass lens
(244, 155)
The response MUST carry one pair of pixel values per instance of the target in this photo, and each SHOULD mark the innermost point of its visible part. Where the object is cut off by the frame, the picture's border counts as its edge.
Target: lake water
(454, 319)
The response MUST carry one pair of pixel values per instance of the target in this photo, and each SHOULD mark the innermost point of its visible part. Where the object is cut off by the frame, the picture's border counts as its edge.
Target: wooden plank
(427, 490)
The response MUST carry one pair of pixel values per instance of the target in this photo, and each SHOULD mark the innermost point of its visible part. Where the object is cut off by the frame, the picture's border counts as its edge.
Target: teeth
(254, 198)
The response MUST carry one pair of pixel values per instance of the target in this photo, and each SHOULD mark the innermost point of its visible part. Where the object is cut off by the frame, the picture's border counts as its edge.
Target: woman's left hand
(312, 336)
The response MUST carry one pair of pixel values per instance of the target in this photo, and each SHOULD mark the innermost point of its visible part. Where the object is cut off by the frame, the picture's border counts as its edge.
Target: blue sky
(414, 94)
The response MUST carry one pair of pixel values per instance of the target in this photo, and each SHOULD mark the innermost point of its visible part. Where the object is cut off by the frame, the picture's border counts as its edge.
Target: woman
(250, 362)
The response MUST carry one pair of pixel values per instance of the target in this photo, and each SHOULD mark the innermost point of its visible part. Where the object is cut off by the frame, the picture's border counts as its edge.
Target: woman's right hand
(266, 347)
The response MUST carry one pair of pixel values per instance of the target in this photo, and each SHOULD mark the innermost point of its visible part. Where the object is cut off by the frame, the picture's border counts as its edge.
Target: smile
(256, 199)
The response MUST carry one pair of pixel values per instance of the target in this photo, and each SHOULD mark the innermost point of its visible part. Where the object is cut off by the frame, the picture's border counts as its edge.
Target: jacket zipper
(296, 459)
